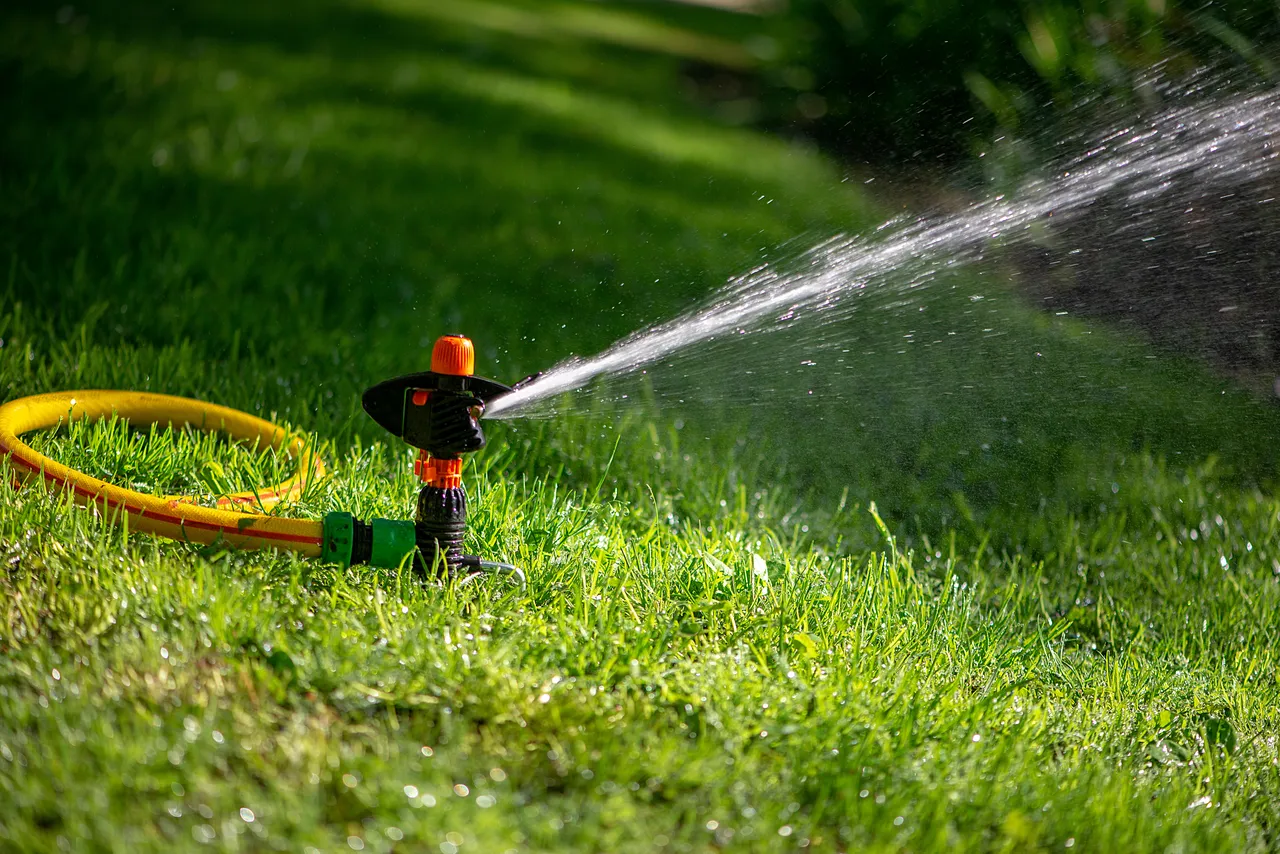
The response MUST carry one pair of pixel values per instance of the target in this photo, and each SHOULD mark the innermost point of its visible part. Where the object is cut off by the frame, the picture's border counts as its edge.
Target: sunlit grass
(161, 461)
(577, 21)
(656, 671)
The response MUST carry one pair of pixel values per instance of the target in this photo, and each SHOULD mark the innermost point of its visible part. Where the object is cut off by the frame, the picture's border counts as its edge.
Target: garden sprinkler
(436, 411)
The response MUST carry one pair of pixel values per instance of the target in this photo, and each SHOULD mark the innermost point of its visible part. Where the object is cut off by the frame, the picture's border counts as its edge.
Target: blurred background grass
(298, 166)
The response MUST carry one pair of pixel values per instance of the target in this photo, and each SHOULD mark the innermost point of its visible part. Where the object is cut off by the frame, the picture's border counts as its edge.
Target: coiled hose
(177, 517)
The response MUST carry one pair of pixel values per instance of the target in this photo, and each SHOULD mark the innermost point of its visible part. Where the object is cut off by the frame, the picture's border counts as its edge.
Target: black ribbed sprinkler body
(440, 525)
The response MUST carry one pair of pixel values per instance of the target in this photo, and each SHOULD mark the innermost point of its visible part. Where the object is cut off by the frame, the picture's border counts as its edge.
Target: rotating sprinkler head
(438, 412)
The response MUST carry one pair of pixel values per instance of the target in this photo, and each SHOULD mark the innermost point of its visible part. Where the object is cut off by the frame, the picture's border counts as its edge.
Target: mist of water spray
(1205, 145)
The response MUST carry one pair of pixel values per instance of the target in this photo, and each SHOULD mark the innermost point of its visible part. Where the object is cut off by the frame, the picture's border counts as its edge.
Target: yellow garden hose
(176, 517)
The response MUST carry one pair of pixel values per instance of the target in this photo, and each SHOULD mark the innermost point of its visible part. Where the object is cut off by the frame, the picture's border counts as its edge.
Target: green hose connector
(386, 543)
(338, 538)
(394, 541)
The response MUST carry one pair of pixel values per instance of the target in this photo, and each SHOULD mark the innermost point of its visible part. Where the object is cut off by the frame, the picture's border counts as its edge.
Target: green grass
(1060, 629)
(164, 461)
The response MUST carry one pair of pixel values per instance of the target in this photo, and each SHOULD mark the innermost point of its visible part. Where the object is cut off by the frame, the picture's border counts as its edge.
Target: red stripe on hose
(161, 517)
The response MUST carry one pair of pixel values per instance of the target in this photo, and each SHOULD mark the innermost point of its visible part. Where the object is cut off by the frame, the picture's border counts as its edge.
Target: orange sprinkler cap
(453, 355)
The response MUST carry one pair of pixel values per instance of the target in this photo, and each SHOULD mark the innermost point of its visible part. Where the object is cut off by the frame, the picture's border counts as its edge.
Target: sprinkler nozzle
(437, 411)
(454, 355)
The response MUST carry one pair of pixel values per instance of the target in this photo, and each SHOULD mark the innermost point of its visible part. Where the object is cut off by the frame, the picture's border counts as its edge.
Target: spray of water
(1207, 145)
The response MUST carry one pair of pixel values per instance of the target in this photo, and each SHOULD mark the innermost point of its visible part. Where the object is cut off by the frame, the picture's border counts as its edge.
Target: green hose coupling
(337, 538)
(394, 541)
(386, 543)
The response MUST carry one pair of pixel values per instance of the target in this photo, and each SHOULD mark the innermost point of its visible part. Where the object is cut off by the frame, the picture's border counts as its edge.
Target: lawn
(1058, 625)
